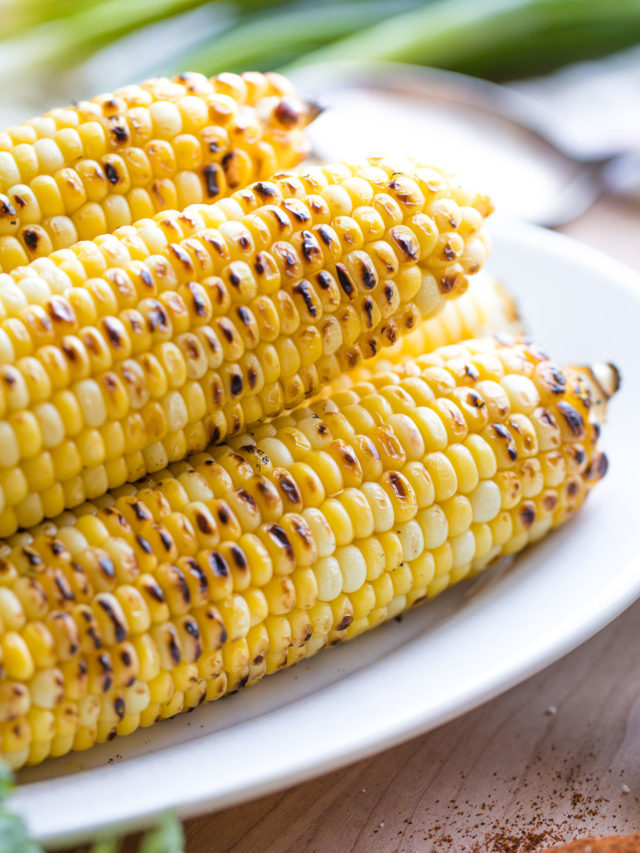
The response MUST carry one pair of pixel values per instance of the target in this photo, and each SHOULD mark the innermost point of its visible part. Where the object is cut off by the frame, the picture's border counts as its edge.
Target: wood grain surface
(555, 758)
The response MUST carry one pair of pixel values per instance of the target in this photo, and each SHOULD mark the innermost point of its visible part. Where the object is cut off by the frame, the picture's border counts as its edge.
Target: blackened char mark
(345, 281)
(210, 173)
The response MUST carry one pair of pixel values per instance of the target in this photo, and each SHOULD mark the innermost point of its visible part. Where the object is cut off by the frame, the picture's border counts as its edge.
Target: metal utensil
(502, 139)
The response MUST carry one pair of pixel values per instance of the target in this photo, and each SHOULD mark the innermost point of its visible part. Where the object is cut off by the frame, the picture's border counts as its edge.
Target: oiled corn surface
(121, 355)
(85, 170)
(306, 531)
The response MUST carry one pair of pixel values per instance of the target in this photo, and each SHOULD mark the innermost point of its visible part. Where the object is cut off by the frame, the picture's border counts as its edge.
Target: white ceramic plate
(404, 678)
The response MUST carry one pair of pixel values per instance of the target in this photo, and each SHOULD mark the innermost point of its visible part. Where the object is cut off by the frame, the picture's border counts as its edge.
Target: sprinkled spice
(464, 826)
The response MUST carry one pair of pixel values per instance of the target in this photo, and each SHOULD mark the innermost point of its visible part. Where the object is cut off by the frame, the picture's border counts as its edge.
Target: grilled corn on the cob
(309, 530)
(121, 355)
(78, 172)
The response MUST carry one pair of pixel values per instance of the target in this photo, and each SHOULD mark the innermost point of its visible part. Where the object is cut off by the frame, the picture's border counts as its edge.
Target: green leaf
(6, 781)
(492, 36)
(105, 845)
(167, 837)
(14, 837)
(259, 40)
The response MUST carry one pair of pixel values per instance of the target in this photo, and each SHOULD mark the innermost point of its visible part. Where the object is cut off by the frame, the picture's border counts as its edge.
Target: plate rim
(134, 816)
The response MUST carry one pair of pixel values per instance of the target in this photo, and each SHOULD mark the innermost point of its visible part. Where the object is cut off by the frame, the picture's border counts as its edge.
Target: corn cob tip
(608, 378)
(596, 384)
(508, 307)
(602, 380)
(290, 112)
(313, 109)
(497, 309)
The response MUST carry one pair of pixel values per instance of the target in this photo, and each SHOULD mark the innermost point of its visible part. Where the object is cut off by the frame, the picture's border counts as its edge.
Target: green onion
(281, 34)
(20, 15)
(14, 837)
(494, 37)
(64, 42)
(105, 845)
(166, 837)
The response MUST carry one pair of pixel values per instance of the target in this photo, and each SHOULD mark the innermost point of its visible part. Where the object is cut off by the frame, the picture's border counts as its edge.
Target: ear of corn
(122, 355)
(85, 170)
(307, 531)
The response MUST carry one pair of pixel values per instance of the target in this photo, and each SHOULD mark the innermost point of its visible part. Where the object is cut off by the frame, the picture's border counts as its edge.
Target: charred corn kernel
(92, 646)
(15, 700)
(162, 343)
(485, 308)
(141, 149)
(16, 738)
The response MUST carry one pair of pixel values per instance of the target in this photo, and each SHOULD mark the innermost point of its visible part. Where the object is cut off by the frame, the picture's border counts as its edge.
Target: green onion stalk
(493, 38)
(286, 33)
(50, 45)
(18, 16)
(63, 42)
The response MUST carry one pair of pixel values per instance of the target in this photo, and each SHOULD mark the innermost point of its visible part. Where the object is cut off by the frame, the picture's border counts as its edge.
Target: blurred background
(557, 126)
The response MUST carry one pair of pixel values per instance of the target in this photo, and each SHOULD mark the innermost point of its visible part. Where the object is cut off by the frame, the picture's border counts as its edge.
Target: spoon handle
(621, 176)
